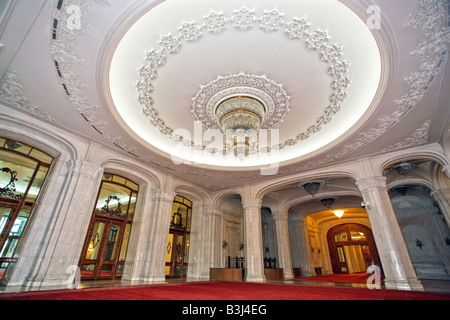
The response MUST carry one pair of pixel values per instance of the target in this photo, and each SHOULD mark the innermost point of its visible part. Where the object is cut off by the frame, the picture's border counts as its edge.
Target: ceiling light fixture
(240, 119)
(339, 213)
(328, 202)
(312, 187)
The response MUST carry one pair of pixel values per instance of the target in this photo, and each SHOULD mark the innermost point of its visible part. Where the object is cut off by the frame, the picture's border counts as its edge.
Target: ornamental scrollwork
(9, 190)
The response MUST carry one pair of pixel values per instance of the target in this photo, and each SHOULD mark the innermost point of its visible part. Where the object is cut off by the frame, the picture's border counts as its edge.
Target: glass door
(23, 170)
(175, 256)
(106, 243)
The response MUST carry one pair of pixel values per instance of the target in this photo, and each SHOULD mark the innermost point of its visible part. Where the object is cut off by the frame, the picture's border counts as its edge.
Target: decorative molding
(244, 19)
(370, 183)
(431, 16)
(66, 57)
(419, 137)
(12, 93)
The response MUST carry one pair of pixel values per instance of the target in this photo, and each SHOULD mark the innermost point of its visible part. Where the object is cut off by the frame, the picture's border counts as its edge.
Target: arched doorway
(106, 243)
(177, 254)
(352, 248)
(23, 170)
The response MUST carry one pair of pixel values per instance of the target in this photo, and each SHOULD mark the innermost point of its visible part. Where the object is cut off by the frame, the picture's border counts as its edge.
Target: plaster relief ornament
(270, 94)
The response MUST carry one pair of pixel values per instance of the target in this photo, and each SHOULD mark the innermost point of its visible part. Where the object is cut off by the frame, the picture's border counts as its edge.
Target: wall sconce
(224, 244)
(241, 246)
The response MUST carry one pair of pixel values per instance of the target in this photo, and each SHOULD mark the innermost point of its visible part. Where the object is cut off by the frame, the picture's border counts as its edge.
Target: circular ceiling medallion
(314, 78)
(271, 94)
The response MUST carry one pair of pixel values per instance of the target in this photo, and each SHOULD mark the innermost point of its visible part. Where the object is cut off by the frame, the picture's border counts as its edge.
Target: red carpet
(224, 291)
(360, 277)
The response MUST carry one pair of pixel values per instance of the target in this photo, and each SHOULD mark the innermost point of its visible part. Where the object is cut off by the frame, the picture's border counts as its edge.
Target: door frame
(337, 265)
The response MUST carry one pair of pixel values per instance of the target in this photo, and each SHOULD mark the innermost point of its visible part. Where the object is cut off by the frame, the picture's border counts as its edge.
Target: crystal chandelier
(240, 119)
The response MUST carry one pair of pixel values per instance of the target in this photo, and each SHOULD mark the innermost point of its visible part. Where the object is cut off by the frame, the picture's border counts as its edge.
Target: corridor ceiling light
(312, 187)
(338, 213)
(403, 168)
(328, 202)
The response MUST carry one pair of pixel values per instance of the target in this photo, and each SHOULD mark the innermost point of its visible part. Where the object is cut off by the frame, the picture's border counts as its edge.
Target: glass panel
(37, 184)
(9, 247)
(111, 201)
(341, 237)
(87, 270)
(41, 156)
(132, 206)
(119, 270)
(167, 270)
(179, 249)
(96, 239)
(4, 214)
(178, 199)
(119, 180)
(20, 222)
(15, 233)
(341, 254)
(17, 146)
(112, 242)
(3, 267)
(126, 237)
(132, 185)
(189, 218)
(357, 236)
(106, 270)
(107, 176)
(15, 174)
(186, 250)
(169, 249)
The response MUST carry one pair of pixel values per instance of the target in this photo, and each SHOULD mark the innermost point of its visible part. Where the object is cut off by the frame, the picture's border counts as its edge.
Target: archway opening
(352, 248)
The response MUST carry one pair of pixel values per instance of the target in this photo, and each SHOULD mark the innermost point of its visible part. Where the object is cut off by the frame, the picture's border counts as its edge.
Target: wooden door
(345, 236)
(175, 260)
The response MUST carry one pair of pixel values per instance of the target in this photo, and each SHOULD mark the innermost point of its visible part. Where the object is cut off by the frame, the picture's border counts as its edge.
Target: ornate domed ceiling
(315, 66)
(300, 83)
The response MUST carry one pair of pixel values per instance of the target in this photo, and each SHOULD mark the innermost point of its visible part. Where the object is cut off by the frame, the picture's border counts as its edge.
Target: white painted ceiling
(397, 96)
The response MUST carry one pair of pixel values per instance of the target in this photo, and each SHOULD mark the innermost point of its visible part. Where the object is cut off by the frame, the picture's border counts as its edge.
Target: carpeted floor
(224, 291)
(360, 277)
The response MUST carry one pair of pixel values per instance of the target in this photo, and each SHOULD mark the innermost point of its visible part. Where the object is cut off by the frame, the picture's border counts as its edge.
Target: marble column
(253, 240)
(54, 239)
(283, 244)
(301, 252)
(397, 266)
(216, 238)
(148, 243)
(138, 253)
(201, 242)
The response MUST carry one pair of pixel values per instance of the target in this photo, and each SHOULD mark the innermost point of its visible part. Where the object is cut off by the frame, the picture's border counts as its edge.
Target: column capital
(371, 182)
(252, 204)
(279, 216)
(84, 168)
(163, 194)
